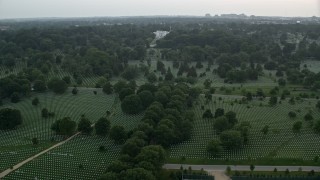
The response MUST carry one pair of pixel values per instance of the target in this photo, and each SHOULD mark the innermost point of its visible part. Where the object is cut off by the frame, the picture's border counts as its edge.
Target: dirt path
(15, 167)
(219, 175)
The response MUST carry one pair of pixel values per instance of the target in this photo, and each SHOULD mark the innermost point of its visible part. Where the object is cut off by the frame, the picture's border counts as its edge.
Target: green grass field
(279, 143)
(15, 144)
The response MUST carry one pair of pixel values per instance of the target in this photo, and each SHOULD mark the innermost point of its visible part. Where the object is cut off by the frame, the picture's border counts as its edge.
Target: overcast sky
(84, 8)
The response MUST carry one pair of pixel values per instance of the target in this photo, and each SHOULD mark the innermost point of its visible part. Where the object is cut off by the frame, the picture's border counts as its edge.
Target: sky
(88, 8)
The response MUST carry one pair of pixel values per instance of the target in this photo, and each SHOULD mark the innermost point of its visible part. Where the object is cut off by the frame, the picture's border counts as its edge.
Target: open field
(16, 144)
(279, 143)
(80, 151)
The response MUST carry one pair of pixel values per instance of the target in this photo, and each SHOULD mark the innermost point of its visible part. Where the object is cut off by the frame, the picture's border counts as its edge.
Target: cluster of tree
(166, 121)
(84, 50)
(232, 134)
(10, 118)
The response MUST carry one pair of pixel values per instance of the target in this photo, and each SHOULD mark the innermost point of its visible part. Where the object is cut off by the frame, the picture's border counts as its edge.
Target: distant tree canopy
(132, 104)
(10, 118)
(102, 126)
(64, 126)
(57, 85)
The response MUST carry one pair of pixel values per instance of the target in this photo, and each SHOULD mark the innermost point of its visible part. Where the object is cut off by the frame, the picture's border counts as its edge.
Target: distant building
(4, 28)
(207, 15)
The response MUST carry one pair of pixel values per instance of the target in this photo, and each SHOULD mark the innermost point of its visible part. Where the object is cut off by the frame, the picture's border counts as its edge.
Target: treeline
(243, 51)
(166, 121)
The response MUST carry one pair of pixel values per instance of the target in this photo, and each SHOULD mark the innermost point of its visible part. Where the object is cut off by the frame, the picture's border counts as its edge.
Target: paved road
(241, 167)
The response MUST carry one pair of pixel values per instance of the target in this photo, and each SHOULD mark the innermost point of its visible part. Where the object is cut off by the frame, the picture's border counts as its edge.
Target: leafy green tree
(231, 139)
(308, 117)
(118, 134)
(107, 88)
(74, 91)
(292, 114)
(221, 123)
(109, 176)
(207, 83)
(35, 101)
(57, 85)
(35, 141)
(146, 98)
(297, 127)
(214, 147)
(132, 104)
(152, 77)
(15, 97)
(154, 154)
(219, 112)
(10, 118)
(207, 114)
(316, 127)
(232, 118)
(252, 167)
(102, 126)
(64, 126)
(84, 126)
(125, 92)
(273, 100)
(265, 130)
(318, 105)
(39, 86)
(119, 86)
(137, 174)
(133, 146)
(67, 79)
(44, 113)
(282, 82)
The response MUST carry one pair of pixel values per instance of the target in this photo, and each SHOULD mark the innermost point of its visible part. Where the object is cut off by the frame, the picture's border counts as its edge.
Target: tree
(219, 112)
(118, 134)
(214, 147)
(318, 105)
(308, 117)
(57, 85)
(231, 139)
(131, 104)
(67, 79)
(44, 113)
(102, 126)
(107, 88)
(153, 154)
(64, 126)
(119, 86)
(137, 174)
(15, 98)
(221, 124)
(35, 101)
(10, 118)
(207, 83)
(297, 127)
(84, 126)
(125, 92)
(39, 86)
(35, 141)
(151, 77)
(146, 98)
(316, 127)
(273, 100)
(292, 114)
(252, 167)
(207, 114)
(282, 82)
(232, 118)
(265, 130)
(74, 91)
